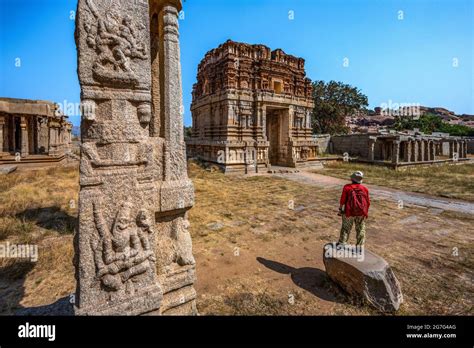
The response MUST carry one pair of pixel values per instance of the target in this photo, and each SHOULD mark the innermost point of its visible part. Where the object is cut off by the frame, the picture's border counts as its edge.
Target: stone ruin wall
(400, 149)
(133, 248)
(238, 87)
(353, 144)
(44, 129)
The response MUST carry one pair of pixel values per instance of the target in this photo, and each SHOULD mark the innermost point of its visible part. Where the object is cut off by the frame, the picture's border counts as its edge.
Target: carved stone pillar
(24, 137)
(133, 248)
(264, 122)
(289, 123)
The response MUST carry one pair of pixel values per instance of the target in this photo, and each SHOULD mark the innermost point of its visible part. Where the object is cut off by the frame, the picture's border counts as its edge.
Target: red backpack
(358, 202)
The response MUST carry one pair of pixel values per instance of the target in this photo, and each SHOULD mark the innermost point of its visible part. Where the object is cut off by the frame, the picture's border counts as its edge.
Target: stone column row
(457, 148)
(420, 150)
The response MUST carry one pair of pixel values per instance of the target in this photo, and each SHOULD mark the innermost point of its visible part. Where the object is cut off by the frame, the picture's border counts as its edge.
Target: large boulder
(364, 275)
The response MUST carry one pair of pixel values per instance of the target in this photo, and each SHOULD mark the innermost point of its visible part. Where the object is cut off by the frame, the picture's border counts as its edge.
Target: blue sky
(410, 51)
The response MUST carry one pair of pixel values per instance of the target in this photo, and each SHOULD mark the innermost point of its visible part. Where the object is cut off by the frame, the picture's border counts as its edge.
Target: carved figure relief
(123, 251)
(118, 41)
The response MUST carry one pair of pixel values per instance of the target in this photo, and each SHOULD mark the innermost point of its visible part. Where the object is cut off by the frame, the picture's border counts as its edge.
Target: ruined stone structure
(399, 149)
(32, 130)
(252, 109)
(133, 248)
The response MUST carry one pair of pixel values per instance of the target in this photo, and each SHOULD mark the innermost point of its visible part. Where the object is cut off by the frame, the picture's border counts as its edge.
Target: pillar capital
(157, 5)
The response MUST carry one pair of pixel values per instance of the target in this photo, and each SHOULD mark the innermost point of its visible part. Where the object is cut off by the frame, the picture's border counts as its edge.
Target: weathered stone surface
(133, 242)
(7, 169)
(363, 274)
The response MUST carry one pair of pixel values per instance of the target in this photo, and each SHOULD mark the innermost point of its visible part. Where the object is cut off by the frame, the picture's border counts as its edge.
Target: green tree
(333, 101)
(187, 132)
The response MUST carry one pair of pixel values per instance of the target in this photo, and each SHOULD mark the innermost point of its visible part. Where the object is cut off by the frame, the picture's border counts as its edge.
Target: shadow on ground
(51, 218)
(310, 279)
(12, 289)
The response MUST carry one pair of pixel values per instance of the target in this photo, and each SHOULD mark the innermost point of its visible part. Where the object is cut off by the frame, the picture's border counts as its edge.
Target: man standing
(354, 208)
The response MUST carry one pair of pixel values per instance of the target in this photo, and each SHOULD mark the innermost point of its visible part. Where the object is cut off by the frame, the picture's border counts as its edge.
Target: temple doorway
(276, 134)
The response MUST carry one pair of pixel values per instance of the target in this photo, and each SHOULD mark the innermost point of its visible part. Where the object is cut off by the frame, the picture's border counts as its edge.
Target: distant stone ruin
(32, 131)
(401, 149)
(133, 250)
(252, 109)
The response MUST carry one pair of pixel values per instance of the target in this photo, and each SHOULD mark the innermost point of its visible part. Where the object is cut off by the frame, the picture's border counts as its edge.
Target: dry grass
(253, 252)
(38, 208)
(451, 181)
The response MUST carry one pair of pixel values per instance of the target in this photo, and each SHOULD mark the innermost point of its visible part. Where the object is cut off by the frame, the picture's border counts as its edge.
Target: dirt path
(410, 198)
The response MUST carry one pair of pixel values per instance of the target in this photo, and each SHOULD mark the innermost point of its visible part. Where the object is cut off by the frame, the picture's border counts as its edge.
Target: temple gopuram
(251, 109)
(32, 131)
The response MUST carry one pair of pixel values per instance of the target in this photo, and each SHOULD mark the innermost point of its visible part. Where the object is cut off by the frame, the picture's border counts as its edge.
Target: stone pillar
(422, 150)
(372, 141)
(451, 149)
(407, 151)
(133, 248)
(172, 91)
(396, 152)
(2, 136)
(415, 151)
(465, 149)
(289, 123)
(24, 137)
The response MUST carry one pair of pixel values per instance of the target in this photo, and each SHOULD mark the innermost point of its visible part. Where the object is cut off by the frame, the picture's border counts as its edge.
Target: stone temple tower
(133, 250)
